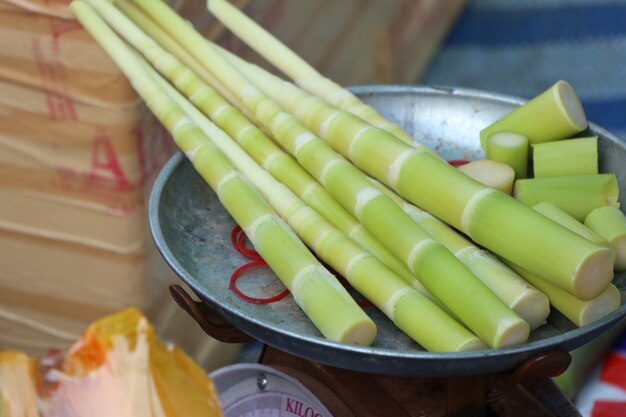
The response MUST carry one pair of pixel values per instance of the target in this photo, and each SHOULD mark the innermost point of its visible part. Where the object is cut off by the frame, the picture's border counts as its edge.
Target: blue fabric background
(522, 47)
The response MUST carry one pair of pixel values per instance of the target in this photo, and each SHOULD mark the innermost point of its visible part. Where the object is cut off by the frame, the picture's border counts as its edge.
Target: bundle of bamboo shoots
(349, 184)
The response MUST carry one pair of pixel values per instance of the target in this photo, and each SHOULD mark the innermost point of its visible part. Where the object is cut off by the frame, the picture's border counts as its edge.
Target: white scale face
(273, 404)
(252, 390)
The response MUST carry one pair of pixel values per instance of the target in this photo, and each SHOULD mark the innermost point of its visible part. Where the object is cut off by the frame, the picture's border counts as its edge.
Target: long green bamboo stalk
(531, 304)
(296, 68)
(486, 216)
(264, 151)
(435, 266)
(161, 38)
(404, 305)
(338, 317)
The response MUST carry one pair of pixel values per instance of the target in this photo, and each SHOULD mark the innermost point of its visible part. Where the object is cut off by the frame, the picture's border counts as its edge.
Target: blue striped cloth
(522, 47)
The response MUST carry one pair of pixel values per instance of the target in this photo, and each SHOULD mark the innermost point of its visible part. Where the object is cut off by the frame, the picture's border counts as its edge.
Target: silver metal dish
(192, 231)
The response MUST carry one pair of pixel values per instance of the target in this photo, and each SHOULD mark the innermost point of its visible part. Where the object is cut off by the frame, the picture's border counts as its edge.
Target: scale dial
(253, 390)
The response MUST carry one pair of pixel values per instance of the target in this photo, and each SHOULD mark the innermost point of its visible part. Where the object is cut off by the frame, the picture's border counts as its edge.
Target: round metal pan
(192, 231)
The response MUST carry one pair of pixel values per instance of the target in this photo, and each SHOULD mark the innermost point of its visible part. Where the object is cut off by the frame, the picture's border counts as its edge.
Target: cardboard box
(42, 315)
(77, 153)
(75, 180)
(58, 56)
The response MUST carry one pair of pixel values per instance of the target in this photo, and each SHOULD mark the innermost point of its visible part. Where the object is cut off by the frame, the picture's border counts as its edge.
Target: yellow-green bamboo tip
(610, 223)
(554, 114)
(566, 157)
(262, 41)
(511, 149)
(576, 195)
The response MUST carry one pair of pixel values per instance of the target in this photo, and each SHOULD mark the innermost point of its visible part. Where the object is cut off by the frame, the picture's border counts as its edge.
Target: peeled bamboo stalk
(404, 305)
(338, 317)
(436, 267)
(264, 151)
(304, 74)
(577, 195)
(531, 304)
(511, 149)
(160, 37)
(550, 250)
(566, 157)
(554, 114)
(610, 223)
(580, 312)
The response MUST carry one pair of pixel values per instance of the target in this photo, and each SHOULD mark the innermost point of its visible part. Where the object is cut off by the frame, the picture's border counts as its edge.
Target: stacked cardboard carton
(78, 151)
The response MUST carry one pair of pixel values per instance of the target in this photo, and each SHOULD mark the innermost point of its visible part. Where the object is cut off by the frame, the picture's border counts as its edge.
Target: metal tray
(192, 230)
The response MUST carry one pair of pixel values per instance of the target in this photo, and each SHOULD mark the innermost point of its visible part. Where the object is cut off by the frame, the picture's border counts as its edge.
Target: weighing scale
(302, 374)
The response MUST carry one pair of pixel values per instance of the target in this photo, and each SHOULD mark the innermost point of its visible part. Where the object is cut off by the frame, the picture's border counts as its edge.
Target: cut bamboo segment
(554, 114)
(404, 305)
(436, 267)
(338, 317)
(484, 214)
(493, 174)
(610, 223)
(511, 149)
(576, 195)
(580, 312)
(566, 157)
